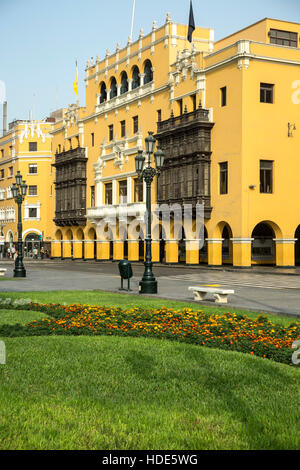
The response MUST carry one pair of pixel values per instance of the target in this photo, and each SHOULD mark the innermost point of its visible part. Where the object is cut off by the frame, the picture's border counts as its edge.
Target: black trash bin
(125, 270)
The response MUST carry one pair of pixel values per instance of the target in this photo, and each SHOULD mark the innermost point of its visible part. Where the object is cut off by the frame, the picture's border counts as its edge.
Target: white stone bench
(221, 295)
(2, 271)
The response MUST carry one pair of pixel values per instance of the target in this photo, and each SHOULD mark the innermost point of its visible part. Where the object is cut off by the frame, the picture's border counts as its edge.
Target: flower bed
(224, 331)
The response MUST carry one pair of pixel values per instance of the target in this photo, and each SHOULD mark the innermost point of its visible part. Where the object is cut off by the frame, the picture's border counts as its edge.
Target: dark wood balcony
(186, 143)
(70, 186)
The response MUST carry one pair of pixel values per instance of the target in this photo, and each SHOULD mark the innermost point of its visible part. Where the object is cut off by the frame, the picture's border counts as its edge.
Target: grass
(135, 393)
(107, 393)
(21, 317)
(129, 301)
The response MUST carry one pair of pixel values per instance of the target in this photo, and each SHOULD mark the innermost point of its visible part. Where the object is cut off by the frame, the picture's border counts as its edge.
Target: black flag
(191, 24)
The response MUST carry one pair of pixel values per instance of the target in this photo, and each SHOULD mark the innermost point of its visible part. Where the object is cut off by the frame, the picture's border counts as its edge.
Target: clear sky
(40, 40)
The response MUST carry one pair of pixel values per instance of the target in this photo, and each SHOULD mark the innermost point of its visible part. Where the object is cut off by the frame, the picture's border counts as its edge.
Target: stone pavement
(259, 289)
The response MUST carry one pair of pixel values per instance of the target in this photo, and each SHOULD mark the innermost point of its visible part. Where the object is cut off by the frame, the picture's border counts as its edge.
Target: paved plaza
(262, 289)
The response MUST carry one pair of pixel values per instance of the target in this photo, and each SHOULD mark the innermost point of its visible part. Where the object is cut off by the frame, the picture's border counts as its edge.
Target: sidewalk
(274, 294)
(270, 270)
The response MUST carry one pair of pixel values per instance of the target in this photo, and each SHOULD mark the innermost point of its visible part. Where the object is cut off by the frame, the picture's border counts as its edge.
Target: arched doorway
(141, 245)
(203, 247)
(59, 238)
(124, 83)
(80, 242)
(70, 250)
(93, 236)
(135, 77)
(109, 238)
(263, 245)
(8, 244)
(32, 245)
(182, 247)
(148, 72)
(297, 247)
(103, 93)
(126, 249)
(227, 245)
(162, 245)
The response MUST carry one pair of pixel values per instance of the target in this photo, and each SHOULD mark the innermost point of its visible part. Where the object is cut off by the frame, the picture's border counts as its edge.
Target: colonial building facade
(26, 147)
(225, 115)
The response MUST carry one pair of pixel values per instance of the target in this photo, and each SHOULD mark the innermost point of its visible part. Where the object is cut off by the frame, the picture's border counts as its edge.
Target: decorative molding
(285, 241)
(241, 241)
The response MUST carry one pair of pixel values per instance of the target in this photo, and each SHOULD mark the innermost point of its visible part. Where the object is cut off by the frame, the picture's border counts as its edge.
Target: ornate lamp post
(148, 284)
(19, 190)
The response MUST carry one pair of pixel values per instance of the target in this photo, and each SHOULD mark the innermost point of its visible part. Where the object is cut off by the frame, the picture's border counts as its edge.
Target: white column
(129, 190)
(99, 193)
(114, 192)
(142, 77)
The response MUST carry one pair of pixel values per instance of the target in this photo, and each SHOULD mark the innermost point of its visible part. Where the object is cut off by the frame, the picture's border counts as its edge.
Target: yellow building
(225, 115)
(26, 147)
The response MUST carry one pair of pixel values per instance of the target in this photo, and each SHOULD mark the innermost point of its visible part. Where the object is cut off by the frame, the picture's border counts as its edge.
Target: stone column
(77, 249)
(192, 251)
(171, 251)
(142, 78)
(242, 252)
(88, 249)
(133, 250)
(214, 250)
(118, 250)
(56, 249)
(155, 251)
(103, 250)
(66, 254)
(285, 252)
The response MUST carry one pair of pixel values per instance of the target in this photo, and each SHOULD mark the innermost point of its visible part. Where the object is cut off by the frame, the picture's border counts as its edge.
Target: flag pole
(132, 20)
(77, 81)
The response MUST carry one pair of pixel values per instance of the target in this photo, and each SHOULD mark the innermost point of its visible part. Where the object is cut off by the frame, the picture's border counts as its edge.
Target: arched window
(124, 83)
(103, 94)
(148, 72)
(113, 88)
(135, 77)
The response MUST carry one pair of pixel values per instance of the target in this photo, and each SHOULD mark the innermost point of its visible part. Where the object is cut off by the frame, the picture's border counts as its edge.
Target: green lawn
(125, 393)
(12, 317)
(128, 301)
(130, 393)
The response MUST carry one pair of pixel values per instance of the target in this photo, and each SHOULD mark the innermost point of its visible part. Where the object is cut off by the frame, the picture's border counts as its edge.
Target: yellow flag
(75, 84)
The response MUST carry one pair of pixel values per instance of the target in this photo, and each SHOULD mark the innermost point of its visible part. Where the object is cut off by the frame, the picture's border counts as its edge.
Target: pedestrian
(42, 252)
(13, 251)
(35, 253)
(8, 252)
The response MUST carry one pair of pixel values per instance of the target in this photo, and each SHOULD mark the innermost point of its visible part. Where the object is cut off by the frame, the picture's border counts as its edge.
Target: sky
(40, 41)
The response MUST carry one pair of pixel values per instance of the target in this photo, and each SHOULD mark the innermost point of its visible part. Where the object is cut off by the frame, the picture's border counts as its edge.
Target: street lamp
(148, 284)
(19, 190)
